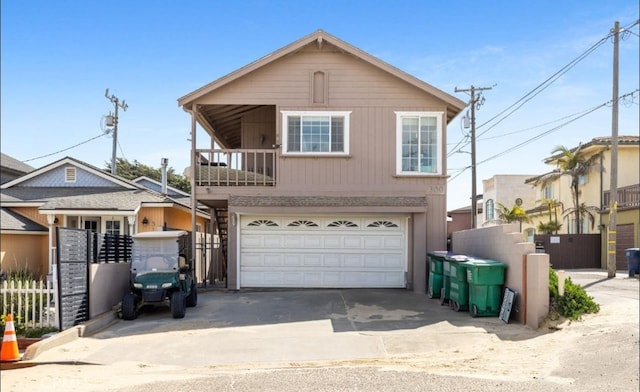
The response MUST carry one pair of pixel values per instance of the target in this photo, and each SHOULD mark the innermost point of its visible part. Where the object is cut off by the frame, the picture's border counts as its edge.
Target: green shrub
(574, 303)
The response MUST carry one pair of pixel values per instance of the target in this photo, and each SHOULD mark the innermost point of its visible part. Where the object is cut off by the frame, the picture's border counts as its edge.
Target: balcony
(628, 198)
(236, 168)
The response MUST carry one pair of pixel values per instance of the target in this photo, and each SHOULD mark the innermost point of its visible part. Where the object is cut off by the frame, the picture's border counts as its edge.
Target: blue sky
(58, 57)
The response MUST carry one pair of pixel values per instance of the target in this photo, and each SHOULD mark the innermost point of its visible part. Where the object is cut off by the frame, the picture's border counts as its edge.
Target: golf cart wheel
(192, 298)
(129, 306)
(178, 304)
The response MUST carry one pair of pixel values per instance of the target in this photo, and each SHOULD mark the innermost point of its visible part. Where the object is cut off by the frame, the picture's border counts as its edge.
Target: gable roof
(121, 196)
(117, 181)
(454, 105)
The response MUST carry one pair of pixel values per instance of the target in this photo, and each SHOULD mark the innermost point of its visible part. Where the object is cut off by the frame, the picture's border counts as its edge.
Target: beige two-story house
(325, 167)
(594, 193)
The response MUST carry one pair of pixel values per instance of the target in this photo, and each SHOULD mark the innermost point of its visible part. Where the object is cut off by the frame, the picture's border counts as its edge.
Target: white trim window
(489, 210)
(419, 143)
(315, 133)
(112, 226)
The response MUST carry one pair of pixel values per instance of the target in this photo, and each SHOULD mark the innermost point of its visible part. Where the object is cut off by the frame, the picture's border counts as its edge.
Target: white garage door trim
(323, 251)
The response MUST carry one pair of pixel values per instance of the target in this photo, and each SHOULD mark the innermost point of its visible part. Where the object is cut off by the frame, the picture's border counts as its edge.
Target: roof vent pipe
(164, 162)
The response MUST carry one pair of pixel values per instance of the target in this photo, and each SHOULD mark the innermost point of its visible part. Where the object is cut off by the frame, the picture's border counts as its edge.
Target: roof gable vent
(70, 174)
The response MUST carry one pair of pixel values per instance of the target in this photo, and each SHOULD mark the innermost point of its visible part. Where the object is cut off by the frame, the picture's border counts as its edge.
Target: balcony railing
(245, 167)
(628, 197)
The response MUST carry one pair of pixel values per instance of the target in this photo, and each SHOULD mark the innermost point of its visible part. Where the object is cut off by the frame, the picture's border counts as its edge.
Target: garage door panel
(251, 241)
(312, 242)
(361, 253)
(272, 242)
(293, 241)
(313, 260)
(352, 242)
(272, 260)
(334, 242)
(294, 260)
(252, 260)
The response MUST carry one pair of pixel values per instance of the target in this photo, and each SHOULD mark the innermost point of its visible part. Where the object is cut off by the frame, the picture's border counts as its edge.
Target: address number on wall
(436, 189)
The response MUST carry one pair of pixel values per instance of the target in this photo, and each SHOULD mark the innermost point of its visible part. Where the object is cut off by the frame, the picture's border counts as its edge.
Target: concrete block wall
(527, 272)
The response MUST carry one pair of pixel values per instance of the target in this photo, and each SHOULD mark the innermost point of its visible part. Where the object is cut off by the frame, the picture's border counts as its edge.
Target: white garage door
(323, 251)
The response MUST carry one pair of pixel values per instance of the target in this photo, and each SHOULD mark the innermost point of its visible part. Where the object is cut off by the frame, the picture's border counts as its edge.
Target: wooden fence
(569, 251)
(29, 302)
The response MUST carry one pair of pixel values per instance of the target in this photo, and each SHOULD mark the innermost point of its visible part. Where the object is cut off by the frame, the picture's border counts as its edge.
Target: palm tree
(573, 163)
(584, 211)
(552, 225)
(515, 214)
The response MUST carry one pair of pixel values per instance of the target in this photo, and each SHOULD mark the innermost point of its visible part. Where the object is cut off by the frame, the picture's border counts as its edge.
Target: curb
(87, 328)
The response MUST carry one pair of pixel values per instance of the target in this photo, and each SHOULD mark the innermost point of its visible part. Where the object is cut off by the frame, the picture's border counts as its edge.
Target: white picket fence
(29, 302)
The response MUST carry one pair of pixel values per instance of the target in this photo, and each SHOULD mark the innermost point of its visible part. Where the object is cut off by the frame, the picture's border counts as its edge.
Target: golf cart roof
(160, 234)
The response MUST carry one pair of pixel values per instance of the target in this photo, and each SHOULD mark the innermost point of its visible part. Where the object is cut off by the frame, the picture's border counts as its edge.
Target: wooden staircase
(221, 215)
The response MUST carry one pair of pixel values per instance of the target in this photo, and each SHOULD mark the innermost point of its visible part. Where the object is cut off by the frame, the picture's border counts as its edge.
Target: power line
(537, 90)
(519, 145)
(547, 132)
(66, 149)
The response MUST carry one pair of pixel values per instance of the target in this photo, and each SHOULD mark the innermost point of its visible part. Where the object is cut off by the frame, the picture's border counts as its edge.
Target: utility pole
(613, 186)
(113, 121)
(475, 103)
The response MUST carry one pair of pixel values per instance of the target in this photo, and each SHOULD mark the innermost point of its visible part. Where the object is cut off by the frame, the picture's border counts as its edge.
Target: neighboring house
(71, 193)
(330, 171)
(594, 192)
(509, 190)
(11, 168)
(460, 219)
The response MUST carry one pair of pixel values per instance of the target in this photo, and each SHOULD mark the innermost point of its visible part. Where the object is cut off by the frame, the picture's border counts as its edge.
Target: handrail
(238, 167)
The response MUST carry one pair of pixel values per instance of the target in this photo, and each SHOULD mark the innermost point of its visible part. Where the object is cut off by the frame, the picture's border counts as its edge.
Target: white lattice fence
(29, 302)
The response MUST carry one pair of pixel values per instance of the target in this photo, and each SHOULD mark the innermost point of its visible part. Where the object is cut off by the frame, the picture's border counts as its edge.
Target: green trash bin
(458, 286)
(447, 268)
(435, 278)
(485, 278)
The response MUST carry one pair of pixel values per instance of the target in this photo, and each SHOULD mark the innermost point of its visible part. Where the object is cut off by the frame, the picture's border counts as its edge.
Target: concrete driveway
(277, 334)
(286, 326)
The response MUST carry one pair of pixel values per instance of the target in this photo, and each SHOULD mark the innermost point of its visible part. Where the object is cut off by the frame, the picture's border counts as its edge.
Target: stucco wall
(21, 252)
(527, 272)
(109, 282)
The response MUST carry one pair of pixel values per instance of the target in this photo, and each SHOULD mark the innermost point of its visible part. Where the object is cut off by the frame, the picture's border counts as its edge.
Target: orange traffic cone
(9, 351)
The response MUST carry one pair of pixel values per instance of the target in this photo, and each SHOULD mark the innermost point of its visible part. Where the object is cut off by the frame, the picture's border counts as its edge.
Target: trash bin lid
(458, 258)
(486, 263)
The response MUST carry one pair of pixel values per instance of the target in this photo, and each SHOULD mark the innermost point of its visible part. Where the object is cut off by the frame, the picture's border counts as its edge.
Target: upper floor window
(489, 210)
(583, 179)
(315, 133)
(547, 192)
(419, 142)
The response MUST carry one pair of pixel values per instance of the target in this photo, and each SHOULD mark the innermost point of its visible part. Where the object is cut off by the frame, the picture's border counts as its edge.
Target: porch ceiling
(224, 122)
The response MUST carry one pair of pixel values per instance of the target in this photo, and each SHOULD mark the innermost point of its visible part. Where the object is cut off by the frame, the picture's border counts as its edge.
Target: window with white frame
(112, 227)
(419, 142)
(315, 133)
(489, 210)
(547, 192)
